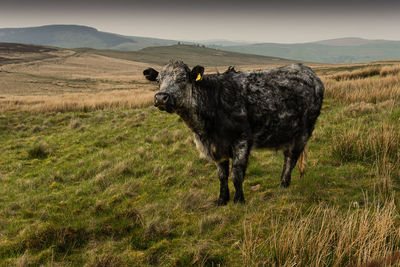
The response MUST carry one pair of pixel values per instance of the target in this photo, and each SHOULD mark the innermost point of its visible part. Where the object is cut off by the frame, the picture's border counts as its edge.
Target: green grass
(127, 188)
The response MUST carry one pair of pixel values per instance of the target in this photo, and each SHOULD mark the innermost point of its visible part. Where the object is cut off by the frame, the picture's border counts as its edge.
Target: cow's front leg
(223, 174)
(241, 151)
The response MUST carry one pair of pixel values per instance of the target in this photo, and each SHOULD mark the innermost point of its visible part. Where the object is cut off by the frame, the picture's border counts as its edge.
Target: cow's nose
(161, 99)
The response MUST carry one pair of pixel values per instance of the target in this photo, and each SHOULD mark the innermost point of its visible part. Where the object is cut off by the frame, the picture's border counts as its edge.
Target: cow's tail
(302, 162)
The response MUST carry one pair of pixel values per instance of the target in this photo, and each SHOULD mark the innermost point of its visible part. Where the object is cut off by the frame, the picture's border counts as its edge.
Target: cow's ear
(196, 74)
(150, 74)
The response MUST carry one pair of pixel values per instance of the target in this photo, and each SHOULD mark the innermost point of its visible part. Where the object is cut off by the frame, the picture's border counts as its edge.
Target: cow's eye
(182, 79)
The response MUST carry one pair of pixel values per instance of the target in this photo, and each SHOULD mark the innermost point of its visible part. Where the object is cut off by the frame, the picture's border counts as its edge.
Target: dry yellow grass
(79, 101)
(389, 70)
(72, 74)
(358, 237)
(357, 74)
(78, 81)
(325, 236)
(371, 90)
(360, 108)
(82, 66)
(371, 84)
(81, 81)
(73, 81)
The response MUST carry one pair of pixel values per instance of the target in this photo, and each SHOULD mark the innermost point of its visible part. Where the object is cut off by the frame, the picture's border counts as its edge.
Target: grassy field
(65, 80)
(123, 185)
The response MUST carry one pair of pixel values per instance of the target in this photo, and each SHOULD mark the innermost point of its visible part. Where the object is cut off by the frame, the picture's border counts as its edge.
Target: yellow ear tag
(199, 78)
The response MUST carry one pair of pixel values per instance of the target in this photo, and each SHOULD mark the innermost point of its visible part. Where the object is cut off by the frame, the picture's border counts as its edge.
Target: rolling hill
(327, 51)
(191, 55)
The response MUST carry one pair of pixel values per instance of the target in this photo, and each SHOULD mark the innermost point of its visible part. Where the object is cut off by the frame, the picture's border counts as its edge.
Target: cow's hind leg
(223, 174)
(241, 153)
(291, 155)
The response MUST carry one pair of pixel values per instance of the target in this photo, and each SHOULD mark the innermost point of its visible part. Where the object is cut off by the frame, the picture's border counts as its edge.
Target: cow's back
(282, 103)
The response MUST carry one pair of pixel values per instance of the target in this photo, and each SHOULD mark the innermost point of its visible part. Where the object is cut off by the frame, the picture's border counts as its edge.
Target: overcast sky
(284, 21)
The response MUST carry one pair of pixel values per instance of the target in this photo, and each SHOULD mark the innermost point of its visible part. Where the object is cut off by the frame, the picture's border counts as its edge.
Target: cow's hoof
(239, 199)
(285, 184)
(222, 202)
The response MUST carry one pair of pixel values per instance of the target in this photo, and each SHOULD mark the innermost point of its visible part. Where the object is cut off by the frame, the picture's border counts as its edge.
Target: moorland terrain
(91, 174)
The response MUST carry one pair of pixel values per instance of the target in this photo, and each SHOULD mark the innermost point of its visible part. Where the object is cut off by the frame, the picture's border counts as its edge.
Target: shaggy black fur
(232, 112)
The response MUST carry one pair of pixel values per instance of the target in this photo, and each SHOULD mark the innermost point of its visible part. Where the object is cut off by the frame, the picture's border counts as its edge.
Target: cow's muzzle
(163, 101)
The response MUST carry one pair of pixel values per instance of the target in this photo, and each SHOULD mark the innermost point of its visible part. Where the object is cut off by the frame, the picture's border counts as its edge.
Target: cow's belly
(276, 131)
(213, 151)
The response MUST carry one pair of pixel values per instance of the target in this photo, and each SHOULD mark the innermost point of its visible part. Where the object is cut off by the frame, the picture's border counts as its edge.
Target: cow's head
(175, 83)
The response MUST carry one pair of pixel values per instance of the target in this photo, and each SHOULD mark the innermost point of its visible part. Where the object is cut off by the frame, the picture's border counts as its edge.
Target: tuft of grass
(75, 123)
(324, 237)
(43, 236)
(196, 200)
(206, 253)
(357, 74)
(39, 150)
(389, 70)
(105, 261)
(61, 239)
(251, 246)
(208, 223)
(377, 145)
(158, 227)
(156, 254)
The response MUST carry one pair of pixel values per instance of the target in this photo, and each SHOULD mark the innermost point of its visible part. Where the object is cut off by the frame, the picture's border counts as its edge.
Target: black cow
(232, 112)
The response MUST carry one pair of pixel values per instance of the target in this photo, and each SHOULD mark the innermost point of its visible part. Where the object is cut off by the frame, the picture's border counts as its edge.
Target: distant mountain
(348, 41)
(142, 42)
(74, 36)
(326, 51)
(67, 36)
